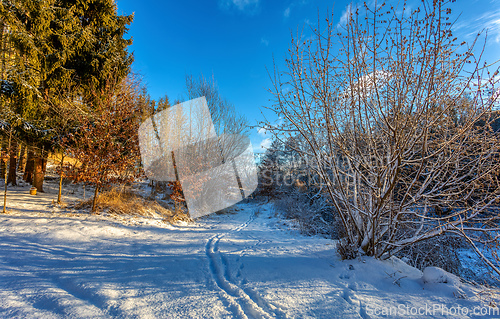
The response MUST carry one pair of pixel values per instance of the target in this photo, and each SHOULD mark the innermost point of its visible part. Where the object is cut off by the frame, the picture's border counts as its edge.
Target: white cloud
(346, 15)
(489, 22)
(365, 84)
(242, 5)
(263, 141)
(293, 4)
(262, 131)
(266, 143)
(493, 26)
(264, 136)
(264, 41)
(286, 14)
(351, 8)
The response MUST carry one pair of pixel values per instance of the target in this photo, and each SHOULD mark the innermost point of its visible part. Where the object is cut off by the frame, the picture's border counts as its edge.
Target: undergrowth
(126, 202)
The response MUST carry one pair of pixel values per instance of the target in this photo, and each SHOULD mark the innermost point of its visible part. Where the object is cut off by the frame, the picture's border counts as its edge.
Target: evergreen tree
(59, 50)
(270, 177)
(163, 103)
(101, 50)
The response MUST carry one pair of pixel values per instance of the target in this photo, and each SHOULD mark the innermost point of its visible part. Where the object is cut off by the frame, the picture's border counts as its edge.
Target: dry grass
(126, 202)
(56, 159)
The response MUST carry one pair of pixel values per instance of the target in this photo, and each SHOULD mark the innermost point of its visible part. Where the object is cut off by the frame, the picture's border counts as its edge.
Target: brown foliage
(106, 142)
(177, 196)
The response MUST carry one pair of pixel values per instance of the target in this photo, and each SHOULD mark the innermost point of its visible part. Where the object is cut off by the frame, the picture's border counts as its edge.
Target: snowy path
(243, 265)
(247, 264)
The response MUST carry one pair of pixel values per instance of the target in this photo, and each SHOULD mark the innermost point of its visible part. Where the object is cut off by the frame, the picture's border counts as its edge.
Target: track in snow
(243, 303)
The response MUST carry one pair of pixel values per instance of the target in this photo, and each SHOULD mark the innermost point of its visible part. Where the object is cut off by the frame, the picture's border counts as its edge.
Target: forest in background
(68, 93)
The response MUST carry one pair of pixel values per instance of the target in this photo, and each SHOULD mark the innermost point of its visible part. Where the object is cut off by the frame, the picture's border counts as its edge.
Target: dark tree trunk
(94, 202)
(12, 179)
(39, 172)
(22, 158)
(154, 189)
(3, 151)
(5, 176)
(3, 167)
(61, 176)
(30, 165)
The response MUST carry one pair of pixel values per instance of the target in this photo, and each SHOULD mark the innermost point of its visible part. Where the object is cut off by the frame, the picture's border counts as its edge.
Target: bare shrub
(346, 250)
(438, 251)
(105, 145)
(312, 216)
(395, 116)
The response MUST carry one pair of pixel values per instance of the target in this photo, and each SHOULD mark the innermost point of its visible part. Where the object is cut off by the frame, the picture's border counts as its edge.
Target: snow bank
(241, 265)
(436, 275)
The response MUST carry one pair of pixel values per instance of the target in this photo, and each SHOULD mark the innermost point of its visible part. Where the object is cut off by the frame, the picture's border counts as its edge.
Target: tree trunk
(3, 168)
(44, 164)
(12, 178)
(4, 41)
(94, 202)
(30, 164)
(61, 175)
(3, 164)
(39, 172)
(5, 190)
(153, 193)
(22, 158)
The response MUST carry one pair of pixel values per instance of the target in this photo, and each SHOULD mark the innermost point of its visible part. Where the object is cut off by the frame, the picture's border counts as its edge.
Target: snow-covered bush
(438, 251)
(313, 216)
(436, 275)
(388, 108)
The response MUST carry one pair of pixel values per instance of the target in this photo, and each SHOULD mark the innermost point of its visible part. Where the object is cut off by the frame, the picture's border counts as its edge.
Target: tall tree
(224, 116)
(270, 170)
(61, 49)
(12, 178)
(162, 103)
(101, 51)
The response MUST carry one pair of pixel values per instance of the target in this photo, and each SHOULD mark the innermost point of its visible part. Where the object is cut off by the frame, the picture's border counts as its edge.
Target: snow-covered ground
(60, 264)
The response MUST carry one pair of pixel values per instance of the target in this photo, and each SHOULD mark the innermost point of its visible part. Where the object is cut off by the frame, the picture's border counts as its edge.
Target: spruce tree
(60, 51)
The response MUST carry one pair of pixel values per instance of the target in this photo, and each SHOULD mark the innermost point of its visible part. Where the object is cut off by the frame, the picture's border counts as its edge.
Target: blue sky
(235, 40)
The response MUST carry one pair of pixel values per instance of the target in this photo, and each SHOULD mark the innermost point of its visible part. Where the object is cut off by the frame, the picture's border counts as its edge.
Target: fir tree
(58, 50)
(270, 169)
